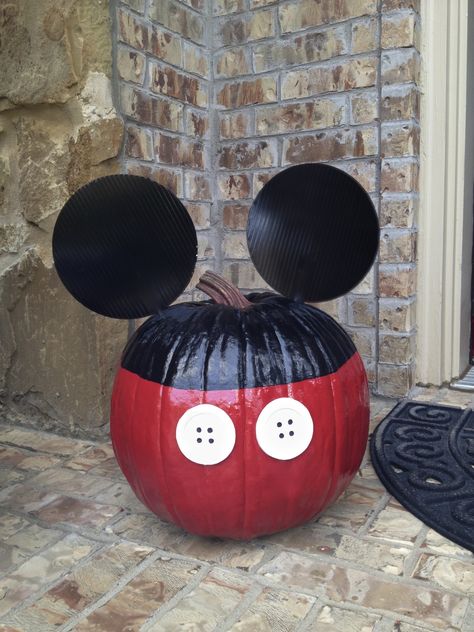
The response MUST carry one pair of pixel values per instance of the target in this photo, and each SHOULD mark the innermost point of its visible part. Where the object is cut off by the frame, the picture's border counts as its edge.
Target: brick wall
(163, 66)
(220, 95)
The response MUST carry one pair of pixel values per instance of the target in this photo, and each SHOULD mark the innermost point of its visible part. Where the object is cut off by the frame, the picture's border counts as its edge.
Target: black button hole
(209, 430)
(199, 440)
(199, 429)
(279, 424)
(281, 435)
(211, 440)
(290, 421)
(291, 433)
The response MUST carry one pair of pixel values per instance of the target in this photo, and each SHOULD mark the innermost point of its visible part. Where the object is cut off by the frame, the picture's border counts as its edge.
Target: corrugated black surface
(205, 346)
(313, 232)
(124, 246)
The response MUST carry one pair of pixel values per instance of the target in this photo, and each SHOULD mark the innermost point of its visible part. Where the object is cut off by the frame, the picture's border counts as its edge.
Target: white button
(284, 428)
(205, 434)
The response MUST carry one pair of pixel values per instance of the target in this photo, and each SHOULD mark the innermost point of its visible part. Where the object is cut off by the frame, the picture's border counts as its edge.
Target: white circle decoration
(284, 428)
(205, 434)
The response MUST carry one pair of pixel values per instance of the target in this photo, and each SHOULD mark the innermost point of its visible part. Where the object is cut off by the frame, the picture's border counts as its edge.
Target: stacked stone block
(59, 129)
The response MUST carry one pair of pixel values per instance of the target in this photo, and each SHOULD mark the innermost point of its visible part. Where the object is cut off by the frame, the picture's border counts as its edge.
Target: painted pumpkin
(240, 416)
(239, 422)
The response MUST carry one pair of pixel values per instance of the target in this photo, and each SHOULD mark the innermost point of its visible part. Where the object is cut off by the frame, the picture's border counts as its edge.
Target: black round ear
(124, 246)
(312, 232)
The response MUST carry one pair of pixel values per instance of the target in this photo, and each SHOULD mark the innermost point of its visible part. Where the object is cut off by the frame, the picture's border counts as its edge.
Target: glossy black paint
(312, 232)
(205, 346)
(124, 246)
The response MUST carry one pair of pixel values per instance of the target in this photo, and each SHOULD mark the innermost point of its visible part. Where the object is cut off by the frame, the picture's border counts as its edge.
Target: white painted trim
(446, 176)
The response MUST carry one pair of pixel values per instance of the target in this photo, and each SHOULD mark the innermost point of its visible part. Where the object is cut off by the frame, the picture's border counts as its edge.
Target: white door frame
(446, 190)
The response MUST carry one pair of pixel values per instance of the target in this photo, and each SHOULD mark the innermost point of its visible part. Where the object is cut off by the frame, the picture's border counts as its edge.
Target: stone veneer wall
(222, 96)
(58, 130)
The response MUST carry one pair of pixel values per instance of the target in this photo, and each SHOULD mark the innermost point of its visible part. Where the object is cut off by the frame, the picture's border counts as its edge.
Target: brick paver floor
(79, 552)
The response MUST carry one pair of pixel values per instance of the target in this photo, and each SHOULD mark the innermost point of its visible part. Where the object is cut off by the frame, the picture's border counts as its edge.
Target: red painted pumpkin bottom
(249, 493)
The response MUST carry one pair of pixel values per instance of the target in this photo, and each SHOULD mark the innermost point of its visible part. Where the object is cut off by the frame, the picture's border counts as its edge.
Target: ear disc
(312, 232)
(124, 246)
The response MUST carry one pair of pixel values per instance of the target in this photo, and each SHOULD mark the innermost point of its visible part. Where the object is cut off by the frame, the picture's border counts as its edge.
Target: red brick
(195, 60)
(260, 179)
(399, 31)
(243, 275)
(197, 123)
(232, 62)
(200, 214)
(360, 72)
(236, 125)
(395, 380)
(397, 246)
(301, 14)
(233, 187)
(235, 245)
(151, 110)
(176, 17)
(397, 280)
(167, 81)
(304, 49)
(224, 7)
(197, 186)
(240, 30)
(248, 155)
(240, 93)
(398, 212)
(154, 40)
(400, 66)
(400, 102)
(317, 114)
(175, 150)
(235, 215)
(399, 175)
(396, 5)
(400, 140)
(169, 179)
(364, 171)
(330, 145)
(139, 143)
(130, 65)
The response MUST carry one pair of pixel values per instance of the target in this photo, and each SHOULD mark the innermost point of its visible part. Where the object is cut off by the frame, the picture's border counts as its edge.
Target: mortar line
(412, 559)
(342, 564)
(248, 600)
(175, 600)
(381, 504)
(310, 618)
(113, 591)
(37, 594)
(216, 220)
(378, 183)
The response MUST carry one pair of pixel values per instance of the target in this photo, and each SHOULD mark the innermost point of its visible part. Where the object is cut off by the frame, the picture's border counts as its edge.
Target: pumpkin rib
(129, 441)
(133, 426)
(167, 496)
(245, 437)
(278, 338)
(172, 346)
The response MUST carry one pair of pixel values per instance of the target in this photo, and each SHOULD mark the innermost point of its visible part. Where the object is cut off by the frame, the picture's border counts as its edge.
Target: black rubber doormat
(424, 456)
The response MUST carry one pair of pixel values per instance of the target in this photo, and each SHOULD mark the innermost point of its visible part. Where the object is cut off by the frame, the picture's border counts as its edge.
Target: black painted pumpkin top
(205, 346)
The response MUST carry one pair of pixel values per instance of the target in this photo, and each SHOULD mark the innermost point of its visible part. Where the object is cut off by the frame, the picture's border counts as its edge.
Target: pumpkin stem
(221, 291)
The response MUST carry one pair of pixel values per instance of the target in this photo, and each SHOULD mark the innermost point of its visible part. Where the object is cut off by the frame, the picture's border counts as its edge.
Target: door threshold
(466, 383)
